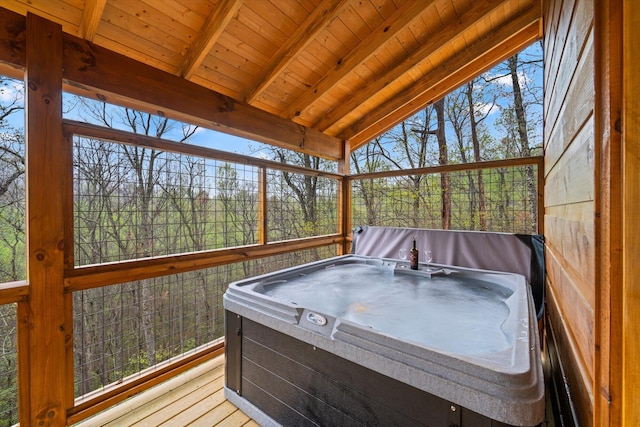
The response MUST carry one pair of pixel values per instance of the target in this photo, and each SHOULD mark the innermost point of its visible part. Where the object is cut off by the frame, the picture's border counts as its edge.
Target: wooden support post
(262, 206)
(540, 214)
(24, 407)
(344, 199)
(47, 169)
(608, 220)
(630, 218)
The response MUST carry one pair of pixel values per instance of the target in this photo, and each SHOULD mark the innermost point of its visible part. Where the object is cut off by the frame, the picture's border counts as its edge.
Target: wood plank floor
(194, 398)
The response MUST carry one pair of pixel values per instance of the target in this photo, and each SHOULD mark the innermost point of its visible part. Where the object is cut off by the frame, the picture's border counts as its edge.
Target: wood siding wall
(571, 194)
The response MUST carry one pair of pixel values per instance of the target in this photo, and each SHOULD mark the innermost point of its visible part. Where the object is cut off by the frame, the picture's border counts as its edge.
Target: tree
(521, 121)
(474, 121)
(445, 184)
(369, 159)
(408, 145)
(521, 118)
(122, 212)
(239, 200)
(12, 190)
(12, 235)
(307, 191)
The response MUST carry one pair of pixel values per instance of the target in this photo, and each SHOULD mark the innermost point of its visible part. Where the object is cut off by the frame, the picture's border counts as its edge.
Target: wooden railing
(465, 181)
(79, 278)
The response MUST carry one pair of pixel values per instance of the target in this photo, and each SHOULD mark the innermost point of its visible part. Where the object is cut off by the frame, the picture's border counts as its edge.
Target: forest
(132, 202)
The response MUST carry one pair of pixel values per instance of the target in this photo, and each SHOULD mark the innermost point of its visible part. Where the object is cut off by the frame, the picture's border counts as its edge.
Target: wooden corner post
(630, 219)
(344, 199)
(608, 219)
(47, 166)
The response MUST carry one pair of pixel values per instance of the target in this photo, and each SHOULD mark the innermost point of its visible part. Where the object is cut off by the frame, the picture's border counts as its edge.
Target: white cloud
(505, 79)
(485, 109)
(11, 91)
(199, 129)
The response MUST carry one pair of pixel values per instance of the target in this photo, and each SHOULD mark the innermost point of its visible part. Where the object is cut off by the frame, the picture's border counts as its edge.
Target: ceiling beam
(91, 16)
(368, 47)
(516, 35)
(478, 10)
(208, 35)
(304, 35)
(13, 52)
(99, 73)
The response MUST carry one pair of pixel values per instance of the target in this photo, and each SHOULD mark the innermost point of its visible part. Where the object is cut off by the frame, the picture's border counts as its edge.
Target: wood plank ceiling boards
(344, 69)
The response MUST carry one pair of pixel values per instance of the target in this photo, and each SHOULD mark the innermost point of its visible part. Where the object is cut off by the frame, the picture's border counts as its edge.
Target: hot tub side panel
(233, 351)
(295, 383)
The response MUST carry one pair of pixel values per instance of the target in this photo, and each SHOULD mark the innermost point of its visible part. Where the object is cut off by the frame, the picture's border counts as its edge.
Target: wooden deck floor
(194, 398)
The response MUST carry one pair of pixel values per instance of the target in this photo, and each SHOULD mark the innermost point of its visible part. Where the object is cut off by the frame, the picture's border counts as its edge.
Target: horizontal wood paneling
(570, 194)
(572, 179)
(572, 52)
(298, 384)
(579, 392)
(573, 242)
(66, 13)
(551, 14)
(578, 316)
(578, 102)
(582, 212)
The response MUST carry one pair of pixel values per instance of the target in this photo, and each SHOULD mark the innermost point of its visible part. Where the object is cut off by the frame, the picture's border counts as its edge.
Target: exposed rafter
(476, 12)
(520, 32)
(212, 29)
(385, 32)
(304, 35)
(91, 15)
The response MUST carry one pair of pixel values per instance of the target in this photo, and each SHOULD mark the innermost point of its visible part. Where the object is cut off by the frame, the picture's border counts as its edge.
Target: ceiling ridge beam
(304, 35)
(475, 60)
(385, 32)
(91, 16)
(208, 35)
(477, 11)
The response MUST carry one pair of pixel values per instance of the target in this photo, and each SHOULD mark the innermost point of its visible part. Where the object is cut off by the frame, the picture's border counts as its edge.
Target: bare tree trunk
(304, 189)
(476, 157)
(458, 124)
(85, 351)
(505, 201)
(146, 319)
(522, 133)
(445, 184)
(146, 182)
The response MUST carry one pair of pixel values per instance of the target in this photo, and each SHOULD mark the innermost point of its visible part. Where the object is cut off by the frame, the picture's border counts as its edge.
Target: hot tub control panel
(316, 319)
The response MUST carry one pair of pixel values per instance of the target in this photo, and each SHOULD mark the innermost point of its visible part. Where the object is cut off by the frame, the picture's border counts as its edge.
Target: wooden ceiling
(350, 69)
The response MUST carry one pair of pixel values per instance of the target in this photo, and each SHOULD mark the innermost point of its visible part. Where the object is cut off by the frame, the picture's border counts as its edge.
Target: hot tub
(356, 340)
